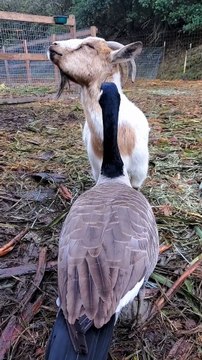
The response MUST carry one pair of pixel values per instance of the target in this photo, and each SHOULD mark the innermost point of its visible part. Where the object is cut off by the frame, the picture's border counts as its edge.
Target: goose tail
(97, 341)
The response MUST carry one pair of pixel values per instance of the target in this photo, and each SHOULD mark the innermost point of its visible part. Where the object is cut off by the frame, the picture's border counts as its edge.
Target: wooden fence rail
(14, 16)
(23, 57)
(92, 31)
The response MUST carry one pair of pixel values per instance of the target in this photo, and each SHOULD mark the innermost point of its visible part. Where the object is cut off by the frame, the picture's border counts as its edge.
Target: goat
(89, 62)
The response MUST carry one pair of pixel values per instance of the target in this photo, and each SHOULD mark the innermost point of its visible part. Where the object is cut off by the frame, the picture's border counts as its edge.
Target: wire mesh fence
(149, 61)
(30, 38)
(21, 37)
(168, 55)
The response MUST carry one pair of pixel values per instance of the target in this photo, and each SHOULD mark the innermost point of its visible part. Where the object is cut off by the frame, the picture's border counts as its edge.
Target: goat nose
(55, 43)
(53, 50)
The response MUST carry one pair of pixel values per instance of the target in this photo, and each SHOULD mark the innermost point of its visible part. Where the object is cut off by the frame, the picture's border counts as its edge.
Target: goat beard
(63, 81)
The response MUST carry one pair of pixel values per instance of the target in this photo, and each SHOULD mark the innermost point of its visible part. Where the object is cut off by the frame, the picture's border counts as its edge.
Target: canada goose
(108, 248)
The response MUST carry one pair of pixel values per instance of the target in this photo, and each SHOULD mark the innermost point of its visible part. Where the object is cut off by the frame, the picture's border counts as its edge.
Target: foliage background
(119, 18)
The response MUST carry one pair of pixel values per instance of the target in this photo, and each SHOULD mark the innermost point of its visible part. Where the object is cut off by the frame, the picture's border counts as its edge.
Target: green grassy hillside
(173, 65)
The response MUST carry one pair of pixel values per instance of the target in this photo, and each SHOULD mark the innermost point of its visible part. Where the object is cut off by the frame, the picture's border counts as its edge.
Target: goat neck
(116, 77)
(90, 100)
(90, 96)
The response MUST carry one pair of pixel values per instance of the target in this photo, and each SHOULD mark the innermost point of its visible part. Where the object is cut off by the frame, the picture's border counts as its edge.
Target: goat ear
(127, 52)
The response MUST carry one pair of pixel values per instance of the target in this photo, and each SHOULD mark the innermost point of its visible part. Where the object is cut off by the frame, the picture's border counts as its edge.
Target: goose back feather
(109, 243)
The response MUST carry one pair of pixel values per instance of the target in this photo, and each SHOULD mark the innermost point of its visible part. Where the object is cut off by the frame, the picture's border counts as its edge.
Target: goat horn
(114, 45)
(131, 63)
(132, 69)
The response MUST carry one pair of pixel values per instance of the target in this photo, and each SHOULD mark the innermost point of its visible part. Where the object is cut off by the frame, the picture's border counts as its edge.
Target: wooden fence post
(185, 62)
(72, 28)
(56, 74)
(185, 58)
(93, 30)
(6, 68)
(27, 63)
(164, 51)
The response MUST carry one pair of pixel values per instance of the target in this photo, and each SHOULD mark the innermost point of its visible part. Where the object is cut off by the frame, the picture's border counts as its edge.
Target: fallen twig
(24, 100)
(181, 350)
(10, 245)
(164, 248)
(66, 194)
(16, 325)
(38, 277)
(24, 269)
(190, 213)
(7, 198)
(196, 330)
(158, 305)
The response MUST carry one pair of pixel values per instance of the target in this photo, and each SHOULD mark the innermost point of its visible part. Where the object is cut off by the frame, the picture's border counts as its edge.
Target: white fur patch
(117, 80)
(75, 43)
(70, 44)
(48, 54)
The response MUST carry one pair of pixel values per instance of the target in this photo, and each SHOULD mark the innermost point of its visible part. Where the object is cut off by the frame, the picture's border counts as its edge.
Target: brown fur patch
(101, 47)
(126, 142)
(97, 146)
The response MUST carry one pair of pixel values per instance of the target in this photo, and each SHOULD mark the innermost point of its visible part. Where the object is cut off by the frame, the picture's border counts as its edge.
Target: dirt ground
(44, 167)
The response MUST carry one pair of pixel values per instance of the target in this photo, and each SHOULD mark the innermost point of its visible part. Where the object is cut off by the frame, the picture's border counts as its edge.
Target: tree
(42, 7)
(125, 16)
(119, 18)
(183, 14)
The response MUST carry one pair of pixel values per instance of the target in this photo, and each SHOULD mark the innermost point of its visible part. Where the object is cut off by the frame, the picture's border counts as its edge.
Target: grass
(46, 137)
(173, 66)
(25, 90)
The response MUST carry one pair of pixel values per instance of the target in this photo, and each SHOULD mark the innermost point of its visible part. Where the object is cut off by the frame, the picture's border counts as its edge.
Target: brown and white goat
(89, 62)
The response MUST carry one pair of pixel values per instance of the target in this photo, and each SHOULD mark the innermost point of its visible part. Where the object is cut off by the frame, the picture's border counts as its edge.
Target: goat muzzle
(53, 51)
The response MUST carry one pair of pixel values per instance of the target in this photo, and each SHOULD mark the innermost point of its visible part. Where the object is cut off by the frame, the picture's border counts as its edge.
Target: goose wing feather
(108, 243)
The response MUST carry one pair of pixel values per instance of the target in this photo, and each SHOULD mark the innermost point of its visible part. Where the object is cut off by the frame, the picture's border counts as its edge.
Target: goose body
(107, 250)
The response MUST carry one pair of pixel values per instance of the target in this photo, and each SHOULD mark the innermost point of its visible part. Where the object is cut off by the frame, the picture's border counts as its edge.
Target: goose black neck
(112, 165)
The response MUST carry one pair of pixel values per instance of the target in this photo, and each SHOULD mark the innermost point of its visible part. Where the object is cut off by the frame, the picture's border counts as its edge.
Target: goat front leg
(139, 176)
(95, 165)
(139, 169)
(136, 183)
(95, 161)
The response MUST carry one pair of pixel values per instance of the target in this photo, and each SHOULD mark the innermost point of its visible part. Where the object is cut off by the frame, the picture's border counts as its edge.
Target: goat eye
(83, 45)
(90, 46)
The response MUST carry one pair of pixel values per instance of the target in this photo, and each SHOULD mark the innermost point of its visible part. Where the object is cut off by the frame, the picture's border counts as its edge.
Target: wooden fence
(12, 53)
